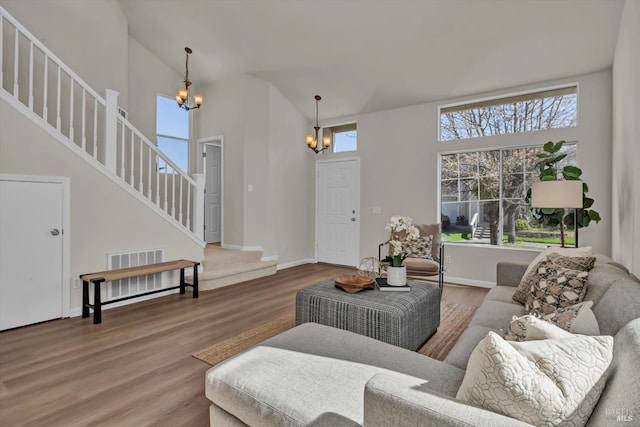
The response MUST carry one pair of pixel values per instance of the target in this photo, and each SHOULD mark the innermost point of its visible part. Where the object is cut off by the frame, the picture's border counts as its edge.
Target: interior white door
(212, 196)
(31, 216)
(338, 216)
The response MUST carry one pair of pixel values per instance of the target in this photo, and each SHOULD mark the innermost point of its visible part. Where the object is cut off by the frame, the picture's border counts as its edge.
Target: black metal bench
(124, 273)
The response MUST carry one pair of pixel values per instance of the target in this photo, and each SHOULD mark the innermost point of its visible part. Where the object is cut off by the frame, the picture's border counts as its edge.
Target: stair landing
(224, 267)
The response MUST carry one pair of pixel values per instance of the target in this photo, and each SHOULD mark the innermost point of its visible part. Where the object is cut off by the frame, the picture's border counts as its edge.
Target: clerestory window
(343, 138)
(547, 109)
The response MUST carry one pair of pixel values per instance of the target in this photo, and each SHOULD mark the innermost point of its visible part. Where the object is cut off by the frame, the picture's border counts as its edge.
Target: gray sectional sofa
(320, 376)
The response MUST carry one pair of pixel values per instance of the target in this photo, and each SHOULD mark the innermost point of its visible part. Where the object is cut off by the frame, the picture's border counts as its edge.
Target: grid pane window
(483, 196)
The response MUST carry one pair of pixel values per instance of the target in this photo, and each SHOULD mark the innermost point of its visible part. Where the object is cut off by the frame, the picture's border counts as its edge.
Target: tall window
(172, 133)
(343, 138)
(483, 196)
(548, 109)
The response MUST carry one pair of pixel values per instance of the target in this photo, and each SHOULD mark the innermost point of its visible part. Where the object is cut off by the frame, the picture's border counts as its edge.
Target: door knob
(55, 232)
(353, 219)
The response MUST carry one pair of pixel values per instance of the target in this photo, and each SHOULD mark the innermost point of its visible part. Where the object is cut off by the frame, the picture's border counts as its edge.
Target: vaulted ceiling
(371, 55)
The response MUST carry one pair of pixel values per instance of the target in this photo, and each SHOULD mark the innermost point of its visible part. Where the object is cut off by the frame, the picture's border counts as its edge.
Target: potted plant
(548, 166)
(401, 229)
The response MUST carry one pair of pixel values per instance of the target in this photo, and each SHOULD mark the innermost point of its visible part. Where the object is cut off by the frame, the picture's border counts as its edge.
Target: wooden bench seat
(125, 273)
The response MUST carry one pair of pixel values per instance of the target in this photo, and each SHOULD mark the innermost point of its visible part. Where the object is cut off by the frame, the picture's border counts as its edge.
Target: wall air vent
(134, 285)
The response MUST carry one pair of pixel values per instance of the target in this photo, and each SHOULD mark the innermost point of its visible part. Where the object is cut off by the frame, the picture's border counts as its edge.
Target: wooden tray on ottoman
(354, 283)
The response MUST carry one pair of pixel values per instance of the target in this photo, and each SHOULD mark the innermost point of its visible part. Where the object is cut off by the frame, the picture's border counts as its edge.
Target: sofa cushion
(556, 287)
(496, 314)
(600, 279)
(459, 355)
(544, 382)
(619, 305)
(524, 287)
(421, 265)
(502, 294)
(620, 400)
(298, 375)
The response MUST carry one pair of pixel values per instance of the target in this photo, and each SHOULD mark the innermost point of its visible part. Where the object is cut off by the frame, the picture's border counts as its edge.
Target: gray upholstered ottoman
(405, 319)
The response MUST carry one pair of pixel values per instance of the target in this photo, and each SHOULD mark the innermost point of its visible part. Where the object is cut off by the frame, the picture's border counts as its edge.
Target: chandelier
(183, 94)
(312, 142)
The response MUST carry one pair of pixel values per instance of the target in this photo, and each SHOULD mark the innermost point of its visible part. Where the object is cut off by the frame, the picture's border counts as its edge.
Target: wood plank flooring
(136, 369)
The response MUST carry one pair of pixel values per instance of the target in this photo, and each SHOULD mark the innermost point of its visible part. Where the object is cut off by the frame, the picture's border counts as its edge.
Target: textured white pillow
(545, 382)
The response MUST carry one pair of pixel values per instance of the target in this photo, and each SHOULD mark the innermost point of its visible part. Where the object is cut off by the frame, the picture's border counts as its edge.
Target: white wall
(223, 115)
(291, 196)
(399, 171)
(104, 218)
(625, 224)
(264, 147)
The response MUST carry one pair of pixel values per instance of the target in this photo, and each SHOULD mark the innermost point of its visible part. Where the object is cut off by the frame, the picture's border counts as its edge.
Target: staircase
(39, 85)
(483, 231)
(224, 267)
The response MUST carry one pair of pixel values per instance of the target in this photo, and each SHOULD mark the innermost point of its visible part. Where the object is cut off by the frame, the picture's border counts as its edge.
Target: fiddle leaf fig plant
(548, 165)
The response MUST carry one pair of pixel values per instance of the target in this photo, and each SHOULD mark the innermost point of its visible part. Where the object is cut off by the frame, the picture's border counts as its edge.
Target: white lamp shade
(556, 194)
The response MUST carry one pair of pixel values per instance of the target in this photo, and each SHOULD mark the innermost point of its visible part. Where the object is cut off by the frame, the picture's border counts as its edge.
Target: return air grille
(134, 285)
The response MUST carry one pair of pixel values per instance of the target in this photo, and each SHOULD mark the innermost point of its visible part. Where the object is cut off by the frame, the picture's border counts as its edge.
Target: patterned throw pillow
(523, 289)
(582, 263)
(555, 288)
(577, 319)
(419, 248)
(543, 382)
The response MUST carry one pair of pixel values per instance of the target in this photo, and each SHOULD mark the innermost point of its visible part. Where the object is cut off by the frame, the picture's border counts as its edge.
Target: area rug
(454, 318)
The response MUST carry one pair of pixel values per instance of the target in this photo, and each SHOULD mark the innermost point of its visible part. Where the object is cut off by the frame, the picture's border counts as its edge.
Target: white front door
(338, 216)
(31, 218)
(212, 196)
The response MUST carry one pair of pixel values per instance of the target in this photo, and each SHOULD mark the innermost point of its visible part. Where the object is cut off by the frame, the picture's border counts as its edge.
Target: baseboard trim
(469, 282)
(241, 248)
(295, 263)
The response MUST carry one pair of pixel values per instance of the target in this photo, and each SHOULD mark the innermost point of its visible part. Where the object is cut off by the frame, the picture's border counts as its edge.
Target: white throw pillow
(545, 382)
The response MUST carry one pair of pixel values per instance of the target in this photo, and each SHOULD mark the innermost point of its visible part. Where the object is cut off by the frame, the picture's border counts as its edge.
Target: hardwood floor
(136, 369)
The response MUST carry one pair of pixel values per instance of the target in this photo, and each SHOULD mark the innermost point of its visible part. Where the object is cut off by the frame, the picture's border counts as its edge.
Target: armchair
(421, 268)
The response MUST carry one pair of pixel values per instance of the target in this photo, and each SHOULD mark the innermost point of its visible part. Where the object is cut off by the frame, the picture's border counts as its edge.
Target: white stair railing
(31, 75)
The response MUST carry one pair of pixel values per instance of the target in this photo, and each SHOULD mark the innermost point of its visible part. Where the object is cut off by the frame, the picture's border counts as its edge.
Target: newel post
(198, 205)
(110, 129)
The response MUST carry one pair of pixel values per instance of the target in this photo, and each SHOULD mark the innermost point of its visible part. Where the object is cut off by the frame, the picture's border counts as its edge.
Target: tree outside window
(483, 196)
(547, 109)
(483, 191)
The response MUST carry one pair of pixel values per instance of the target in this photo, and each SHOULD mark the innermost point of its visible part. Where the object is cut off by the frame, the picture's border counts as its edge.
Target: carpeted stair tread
(211, 272)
